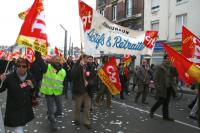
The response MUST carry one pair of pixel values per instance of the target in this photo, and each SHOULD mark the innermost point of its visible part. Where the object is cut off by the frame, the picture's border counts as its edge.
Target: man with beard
(80, 92)
(165, 84)
(90, 77)
(52, 86)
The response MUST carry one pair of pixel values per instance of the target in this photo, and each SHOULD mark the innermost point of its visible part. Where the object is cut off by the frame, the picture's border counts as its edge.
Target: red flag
(181, 63)
(190, 45)
(8, 55)
(110, 76)
(1, 53)
(127, 59)
(56, 51)
(150, 38)
(23, 14)
(84, 11)
(33, 31)
(16, 55)
(30, 55)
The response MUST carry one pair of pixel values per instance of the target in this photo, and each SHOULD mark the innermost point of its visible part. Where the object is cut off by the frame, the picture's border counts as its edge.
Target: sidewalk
(2, 130)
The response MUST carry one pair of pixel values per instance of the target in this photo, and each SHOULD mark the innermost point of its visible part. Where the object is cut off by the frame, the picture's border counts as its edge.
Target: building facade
(127, 13)
(168, 17)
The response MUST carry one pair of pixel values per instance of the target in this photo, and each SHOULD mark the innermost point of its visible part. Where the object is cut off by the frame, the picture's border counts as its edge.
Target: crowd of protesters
(53, 80)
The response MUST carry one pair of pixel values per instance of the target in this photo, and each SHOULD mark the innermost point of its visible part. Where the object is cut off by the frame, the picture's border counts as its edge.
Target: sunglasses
(21, 66)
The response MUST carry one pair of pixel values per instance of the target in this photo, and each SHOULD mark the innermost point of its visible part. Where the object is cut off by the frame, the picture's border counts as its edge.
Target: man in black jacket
(165, 84)
(37, 74)
(91, 78)
(80, 92)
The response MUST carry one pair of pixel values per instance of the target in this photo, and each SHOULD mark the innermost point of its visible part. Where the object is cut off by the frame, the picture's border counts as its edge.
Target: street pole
(72, 49)
(65, 43)
(70, 46)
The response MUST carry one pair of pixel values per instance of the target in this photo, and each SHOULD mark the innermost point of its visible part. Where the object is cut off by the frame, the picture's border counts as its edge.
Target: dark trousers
(142, 89)
(37, 88)
(51, 100)
(67, 87)
(122, 94)
(133, 88)
(101, 93)
(164, 102)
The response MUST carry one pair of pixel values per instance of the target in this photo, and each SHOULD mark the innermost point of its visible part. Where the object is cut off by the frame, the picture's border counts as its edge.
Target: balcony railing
(114, 0)
(101, 3)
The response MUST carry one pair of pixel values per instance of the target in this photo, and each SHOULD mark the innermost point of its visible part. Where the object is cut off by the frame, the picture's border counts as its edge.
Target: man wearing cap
(52, 86)
(164, 80)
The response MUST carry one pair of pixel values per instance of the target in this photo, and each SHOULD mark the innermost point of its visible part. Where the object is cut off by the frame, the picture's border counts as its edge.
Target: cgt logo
(150, 38)
(85, 13)
(112, 73)
(39, 23)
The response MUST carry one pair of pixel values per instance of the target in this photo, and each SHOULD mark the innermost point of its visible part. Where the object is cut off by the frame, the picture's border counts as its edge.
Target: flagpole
(72, 49)
(81, 48)
(5, 72)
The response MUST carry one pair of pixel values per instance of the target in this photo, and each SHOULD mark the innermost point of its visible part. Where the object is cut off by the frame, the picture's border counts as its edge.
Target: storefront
(158, 53)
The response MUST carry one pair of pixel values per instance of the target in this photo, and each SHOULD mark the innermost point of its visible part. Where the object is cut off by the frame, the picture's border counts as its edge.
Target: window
(180, 21)
(155, 26)
(129, 9)
(114, 12)
(177, 1)
(102, 12)
(155, 5)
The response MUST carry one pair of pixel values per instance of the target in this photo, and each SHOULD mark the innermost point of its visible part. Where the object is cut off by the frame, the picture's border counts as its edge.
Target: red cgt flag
(30, 55)
(33, 31)
(190, 45)
(110, 76)
(181, 63)
(84, 9)
(150, 38)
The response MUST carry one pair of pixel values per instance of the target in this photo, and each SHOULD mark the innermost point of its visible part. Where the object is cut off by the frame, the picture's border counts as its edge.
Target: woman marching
(19, 85)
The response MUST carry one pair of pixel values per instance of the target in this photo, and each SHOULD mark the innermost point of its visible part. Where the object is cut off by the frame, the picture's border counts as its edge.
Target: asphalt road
(126, 117)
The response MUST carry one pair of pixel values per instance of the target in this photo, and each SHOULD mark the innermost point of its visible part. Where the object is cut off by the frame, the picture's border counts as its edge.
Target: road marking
(141, 110)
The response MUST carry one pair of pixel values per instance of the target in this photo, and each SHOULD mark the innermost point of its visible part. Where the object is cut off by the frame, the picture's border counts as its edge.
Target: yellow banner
(105, 79)
(34, 43)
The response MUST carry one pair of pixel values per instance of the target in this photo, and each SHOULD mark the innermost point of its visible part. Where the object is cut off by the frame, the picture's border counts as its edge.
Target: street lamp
(65, 43)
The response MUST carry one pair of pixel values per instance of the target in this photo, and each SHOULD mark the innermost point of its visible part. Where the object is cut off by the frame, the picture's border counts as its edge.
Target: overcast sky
(57, 12)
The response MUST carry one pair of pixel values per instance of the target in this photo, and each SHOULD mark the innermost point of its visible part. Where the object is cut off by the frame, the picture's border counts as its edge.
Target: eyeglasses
(21, 66)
